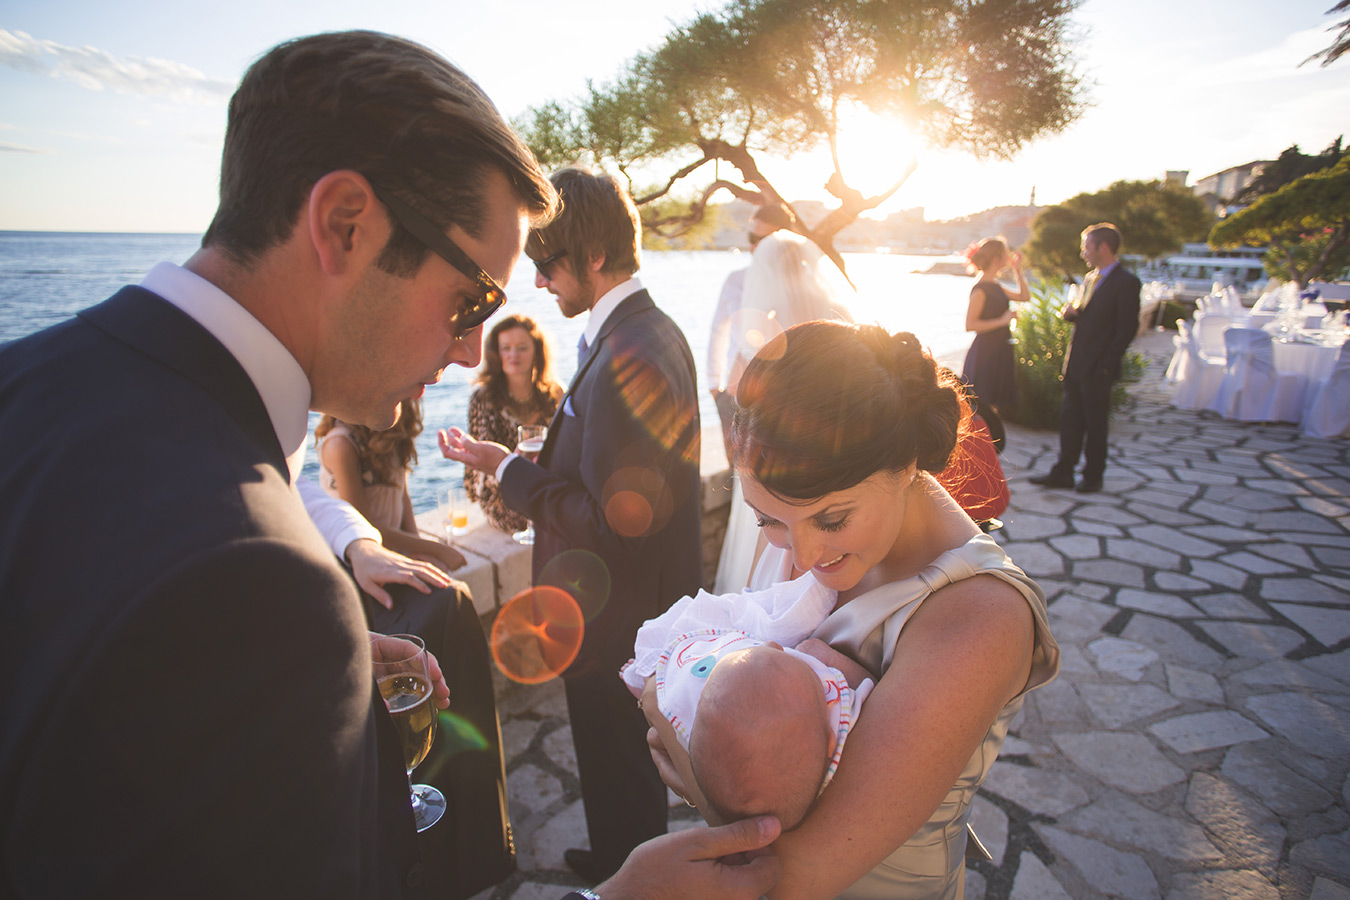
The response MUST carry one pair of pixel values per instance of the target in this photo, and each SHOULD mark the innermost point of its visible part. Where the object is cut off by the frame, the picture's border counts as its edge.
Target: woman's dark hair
(826, 405)
(491, 376)
(987, 252)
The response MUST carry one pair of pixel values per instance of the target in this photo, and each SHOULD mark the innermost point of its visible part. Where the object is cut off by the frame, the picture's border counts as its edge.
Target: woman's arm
(340, 458)
(407, 541)
(407, 521)
(980, 326)
(1023, 291)
(965, 653)
(973, 311)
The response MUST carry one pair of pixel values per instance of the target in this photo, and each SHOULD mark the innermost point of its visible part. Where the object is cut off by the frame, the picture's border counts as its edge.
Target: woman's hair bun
(833, 404)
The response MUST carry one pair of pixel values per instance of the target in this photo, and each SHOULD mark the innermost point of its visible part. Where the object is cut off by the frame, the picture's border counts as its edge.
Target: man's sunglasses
(491, 295)
(542, 265)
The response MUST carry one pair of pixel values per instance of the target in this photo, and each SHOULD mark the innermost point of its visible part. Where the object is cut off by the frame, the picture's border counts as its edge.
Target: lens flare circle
(537, 634)
(583, 575)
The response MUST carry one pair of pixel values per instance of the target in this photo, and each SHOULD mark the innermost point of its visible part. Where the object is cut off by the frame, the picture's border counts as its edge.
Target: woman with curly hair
(515, 387)
(369, 469)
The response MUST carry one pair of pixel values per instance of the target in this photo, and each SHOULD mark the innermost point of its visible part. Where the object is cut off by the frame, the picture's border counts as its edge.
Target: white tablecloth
(1313, 361)
(1312, 317)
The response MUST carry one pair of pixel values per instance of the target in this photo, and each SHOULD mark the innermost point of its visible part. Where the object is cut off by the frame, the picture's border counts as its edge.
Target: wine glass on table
(529, 441)
(399, 662)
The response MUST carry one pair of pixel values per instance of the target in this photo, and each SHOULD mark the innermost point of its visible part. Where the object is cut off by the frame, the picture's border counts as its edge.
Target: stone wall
(498, 568)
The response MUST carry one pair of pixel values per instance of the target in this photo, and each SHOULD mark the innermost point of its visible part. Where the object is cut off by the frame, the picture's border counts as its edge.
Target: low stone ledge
(498, 568)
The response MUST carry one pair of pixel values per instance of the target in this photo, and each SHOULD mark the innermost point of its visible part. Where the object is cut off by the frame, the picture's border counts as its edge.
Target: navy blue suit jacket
(184, 668)
(615, 496)
(1104, 328)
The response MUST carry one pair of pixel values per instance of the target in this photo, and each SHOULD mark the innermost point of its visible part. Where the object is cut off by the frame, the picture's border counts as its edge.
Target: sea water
(46, 277)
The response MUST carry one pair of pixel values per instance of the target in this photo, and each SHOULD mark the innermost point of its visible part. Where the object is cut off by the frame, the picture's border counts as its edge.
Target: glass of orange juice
(454, 507)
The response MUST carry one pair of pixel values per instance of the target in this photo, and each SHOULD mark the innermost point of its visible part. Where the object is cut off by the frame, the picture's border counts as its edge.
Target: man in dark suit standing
(1105, 320)
(188, 698)
(617, 482)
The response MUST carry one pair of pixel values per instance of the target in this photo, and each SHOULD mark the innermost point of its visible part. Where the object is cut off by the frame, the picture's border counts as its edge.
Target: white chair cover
(1269, 301)
(1209, 329)
(1198, 378)
(1176, 369)
(1252, 390)
(1327, 413)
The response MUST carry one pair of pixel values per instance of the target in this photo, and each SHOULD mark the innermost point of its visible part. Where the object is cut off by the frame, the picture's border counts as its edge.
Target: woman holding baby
(837, 463)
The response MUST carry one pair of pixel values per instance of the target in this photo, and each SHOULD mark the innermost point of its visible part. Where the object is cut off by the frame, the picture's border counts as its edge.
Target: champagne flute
(399, 662)
(529, 441)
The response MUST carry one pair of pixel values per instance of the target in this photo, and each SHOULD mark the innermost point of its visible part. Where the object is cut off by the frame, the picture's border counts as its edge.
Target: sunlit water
(47, 277)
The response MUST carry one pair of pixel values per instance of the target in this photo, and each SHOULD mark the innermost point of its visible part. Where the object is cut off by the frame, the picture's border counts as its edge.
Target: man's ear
(597, 262)
(345, 220)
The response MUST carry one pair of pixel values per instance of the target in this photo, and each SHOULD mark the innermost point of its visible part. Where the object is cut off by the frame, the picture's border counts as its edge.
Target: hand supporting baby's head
(762, 741)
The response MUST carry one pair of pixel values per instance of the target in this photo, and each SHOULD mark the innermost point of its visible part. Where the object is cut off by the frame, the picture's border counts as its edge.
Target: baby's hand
(623, 670)
(854, 673)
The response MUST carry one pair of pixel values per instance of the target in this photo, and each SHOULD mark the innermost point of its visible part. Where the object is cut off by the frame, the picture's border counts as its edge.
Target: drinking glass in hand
(399, 662)
(529, 441)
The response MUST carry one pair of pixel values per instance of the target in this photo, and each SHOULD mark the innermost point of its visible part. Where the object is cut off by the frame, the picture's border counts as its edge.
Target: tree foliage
(1342, 41)
(772, 78)
(1292, 163)
(1155, 218)
(1306, 223)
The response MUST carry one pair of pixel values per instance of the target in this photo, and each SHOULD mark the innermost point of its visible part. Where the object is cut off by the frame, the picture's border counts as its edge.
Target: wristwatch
(582, 894)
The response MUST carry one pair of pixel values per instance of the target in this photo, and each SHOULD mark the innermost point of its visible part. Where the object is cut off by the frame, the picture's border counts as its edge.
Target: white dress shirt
(280, 382)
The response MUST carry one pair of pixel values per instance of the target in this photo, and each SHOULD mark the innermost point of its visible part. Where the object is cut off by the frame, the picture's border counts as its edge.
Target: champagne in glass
(529, 443)
(399, 662)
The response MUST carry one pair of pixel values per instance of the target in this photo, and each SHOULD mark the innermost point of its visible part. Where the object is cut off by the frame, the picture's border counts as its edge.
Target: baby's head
(762, 740)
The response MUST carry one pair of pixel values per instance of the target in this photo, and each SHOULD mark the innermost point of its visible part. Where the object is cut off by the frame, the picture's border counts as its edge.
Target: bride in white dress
(789, 281)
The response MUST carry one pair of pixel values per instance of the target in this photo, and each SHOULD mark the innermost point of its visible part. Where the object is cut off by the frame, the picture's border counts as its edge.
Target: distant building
(1219, 189)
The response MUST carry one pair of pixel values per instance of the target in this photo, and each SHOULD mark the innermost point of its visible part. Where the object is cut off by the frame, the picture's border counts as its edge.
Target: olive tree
(1154, 217)
(760, 79)
(1306, 224)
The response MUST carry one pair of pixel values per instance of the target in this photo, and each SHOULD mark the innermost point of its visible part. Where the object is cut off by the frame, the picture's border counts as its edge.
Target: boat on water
(1197, 269)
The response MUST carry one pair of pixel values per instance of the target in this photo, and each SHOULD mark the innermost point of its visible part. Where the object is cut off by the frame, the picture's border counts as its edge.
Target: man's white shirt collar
(278, 378)
(606, 304)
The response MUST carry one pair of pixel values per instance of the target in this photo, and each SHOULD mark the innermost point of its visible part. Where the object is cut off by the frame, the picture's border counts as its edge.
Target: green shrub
(1041, 339)
(1174, 312)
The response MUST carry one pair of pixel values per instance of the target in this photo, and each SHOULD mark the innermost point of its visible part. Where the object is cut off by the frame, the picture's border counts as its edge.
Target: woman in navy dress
(990, 367)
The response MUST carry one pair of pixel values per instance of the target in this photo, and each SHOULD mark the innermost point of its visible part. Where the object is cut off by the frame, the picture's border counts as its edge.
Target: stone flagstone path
(1197, 742)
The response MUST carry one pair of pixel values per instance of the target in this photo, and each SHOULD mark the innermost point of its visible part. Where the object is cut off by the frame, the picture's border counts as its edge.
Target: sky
(112, 114)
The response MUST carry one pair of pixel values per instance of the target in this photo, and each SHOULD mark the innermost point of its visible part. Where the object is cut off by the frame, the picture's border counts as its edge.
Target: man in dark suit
(618, 482)
(1105, 320)
(188, 698)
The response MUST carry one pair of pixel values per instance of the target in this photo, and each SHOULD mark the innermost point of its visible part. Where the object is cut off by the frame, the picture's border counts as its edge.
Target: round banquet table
(1313, 361)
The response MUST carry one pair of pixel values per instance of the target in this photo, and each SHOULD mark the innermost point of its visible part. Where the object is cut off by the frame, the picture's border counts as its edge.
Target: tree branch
(670, 183)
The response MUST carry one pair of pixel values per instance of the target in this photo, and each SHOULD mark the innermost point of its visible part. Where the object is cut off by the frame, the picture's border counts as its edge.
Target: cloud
(98, 70)
(8, 147)
(1272, 63)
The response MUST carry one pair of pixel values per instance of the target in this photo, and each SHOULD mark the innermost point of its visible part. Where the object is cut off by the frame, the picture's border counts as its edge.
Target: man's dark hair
(1104, 233)
(383, 106)
(597, 217)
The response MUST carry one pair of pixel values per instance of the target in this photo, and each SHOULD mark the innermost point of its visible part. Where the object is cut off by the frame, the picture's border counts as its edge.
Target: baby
(762, 712)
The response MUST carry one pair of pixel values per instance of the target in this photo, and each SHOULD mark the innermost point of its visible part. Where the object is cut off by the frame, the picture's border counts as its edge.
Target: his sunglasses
(491, 295)
(542, 265)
